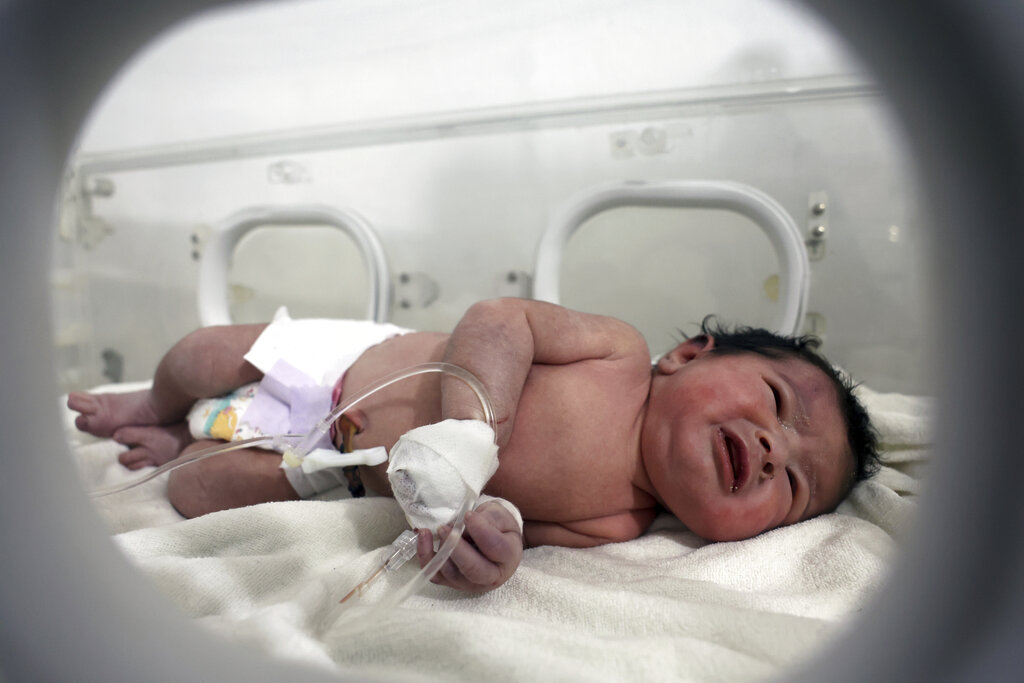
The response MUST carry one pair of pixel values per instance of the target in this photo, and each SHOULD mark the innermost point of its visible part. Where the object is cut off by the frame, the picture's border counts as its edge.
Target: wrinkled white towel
(667, 605)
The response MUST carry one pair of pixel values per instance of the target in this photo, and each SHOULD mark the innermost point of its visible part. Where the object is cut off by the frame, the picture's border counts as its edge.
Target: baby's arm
(500, 340)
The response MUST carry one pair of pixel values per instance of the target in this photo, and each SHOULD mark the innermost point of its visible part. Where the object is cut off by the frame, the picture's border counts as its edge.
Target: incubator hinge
(77, 221)
(814, 325)
(416, 290)
(649, 141)
(514, 283)
(197, 240)
(817, 225)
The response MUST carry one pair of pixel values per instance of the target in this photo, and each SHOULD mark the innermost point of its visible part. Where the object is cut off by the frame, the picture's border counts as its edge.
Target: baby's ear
(694, 347)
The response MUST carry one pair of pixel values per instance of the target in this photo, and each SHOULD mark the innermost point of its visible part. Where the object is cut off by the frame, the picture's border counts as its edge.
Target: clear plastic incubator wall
(455, 138)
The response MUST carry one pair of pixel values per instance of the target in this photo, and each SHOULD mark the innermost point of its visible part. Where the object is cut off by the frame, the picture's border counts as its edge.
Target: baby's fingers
(468, 569)
(448, 574)
(486, 556)
(425, 548)
(495, 533)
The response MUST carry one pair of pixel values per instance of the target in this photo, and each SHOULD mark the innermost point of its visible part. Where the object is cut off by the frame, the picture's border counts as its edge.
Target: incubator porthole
(678, 262)
(898, 238)
(317, 271)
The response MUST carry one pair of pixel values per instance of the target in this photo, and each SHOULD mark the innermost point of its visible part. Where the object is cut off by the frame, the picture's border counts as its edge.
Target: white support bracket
(224, 237)
(786, 238)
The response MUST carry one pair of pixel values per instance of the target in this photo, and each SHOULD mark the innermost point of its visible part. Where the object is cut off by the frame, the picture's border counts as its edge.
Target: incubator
(655, 190)
(755, 178)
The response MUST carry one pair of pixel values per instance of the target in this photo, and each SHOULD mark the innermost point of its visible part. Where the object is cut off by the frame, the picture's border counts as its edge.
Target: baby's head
(747, 430)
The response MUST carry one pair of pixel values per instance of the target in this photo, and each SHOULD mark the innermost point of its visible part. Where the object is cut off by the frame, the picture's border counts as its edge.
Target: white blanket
(664, 606)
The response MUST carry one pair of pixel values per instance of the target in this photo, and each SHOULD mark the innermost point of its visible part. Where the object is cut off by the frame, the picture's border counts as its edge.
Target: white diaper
(322, 349)
(302, 362)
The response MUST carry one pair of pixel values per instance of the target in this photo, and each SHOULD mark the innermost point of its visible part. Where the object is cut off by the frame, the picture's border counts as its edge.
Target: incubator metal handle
(765, 212)
(213, 270)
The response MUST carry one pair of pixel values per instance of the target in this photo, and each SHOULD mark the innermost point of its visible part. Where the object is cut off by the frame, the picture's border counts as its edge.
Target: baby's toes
(135, 458)
(82, 423)
(130, 436)
(82, 402)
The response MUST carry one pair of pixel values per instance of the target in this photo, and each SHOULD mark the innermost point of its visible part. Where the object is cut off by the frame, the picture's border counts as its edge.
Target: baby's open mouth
(738, 459)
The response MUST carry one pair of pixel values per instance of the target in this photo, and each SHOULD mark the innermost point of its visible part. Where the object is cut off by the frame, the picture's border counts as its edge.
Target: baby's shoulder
(631, 350)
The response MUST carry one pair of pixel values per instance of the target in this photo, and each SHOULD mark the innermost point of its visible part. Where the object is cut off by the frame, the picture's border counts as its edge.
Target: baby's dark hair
(860, 434)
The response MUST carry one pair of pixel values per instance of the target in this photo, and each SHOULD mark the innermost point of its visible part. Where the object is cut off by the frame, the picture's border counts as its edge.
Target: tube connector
(294, 454)
(403, 548)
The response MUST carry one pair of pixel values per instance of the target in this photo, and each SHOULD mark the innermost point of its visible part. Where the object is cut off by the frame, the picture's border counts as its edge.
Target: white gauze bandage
(431, 466)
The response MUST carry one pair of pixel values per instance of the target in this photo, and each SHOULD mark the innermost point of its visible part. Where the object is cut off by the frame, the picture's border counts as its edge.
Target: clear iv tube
(293, 455)
(275, 442)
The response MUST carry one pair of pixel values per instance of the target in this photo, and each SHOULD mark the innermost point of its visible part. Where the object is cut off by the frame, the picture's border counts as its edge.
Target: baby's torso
(574, 449)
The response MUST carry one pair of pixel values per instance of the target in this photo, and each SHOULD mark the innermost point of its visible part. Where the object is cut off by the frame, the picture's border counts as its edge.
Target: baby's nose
(772, 455)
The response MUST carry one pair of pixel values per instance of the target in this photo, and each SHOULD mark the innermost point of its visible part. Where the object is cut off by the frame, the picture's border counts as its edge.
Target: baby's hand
(487, 554)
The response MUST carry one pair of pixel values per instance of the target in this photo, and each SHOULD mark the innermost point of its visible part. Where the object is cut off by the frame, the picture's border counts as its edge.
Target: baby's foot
(151, 445)
(103, 414)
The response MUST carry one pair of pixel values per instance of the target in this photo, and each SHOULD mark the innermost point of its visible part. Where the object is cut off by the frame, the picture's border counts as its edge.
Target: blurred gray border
(72, 609)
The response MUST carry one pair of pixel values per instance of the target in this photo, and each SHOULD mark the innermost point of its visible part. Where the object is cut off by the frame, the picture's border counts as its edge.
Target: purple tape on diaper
(289, 402)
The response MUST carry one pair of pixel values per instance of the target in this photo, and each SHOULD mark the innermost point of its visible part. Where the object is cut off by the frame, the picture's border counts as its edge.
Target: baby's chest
(572, 454)
(562, 489)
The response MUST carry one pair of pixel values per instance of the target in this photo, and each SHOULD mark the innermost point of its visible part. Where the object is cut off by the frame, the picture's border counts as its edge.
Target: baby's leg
(228, 480)
(102, 414)
(204, 364)
(153, 445)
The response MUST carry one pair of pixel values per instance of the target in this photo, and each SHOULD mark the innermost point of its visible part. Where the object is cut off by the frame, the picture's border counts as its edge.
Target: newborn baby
(734, 433)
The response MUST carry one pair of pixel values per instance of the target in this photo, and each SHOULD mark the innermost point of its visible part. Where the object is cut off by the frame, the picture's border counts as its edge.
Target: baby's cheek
(732, 523)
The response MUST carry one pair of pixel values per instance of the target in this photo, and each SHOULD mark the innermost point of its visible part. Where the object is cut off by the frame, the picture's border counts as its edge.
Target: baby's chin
(717, 532)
